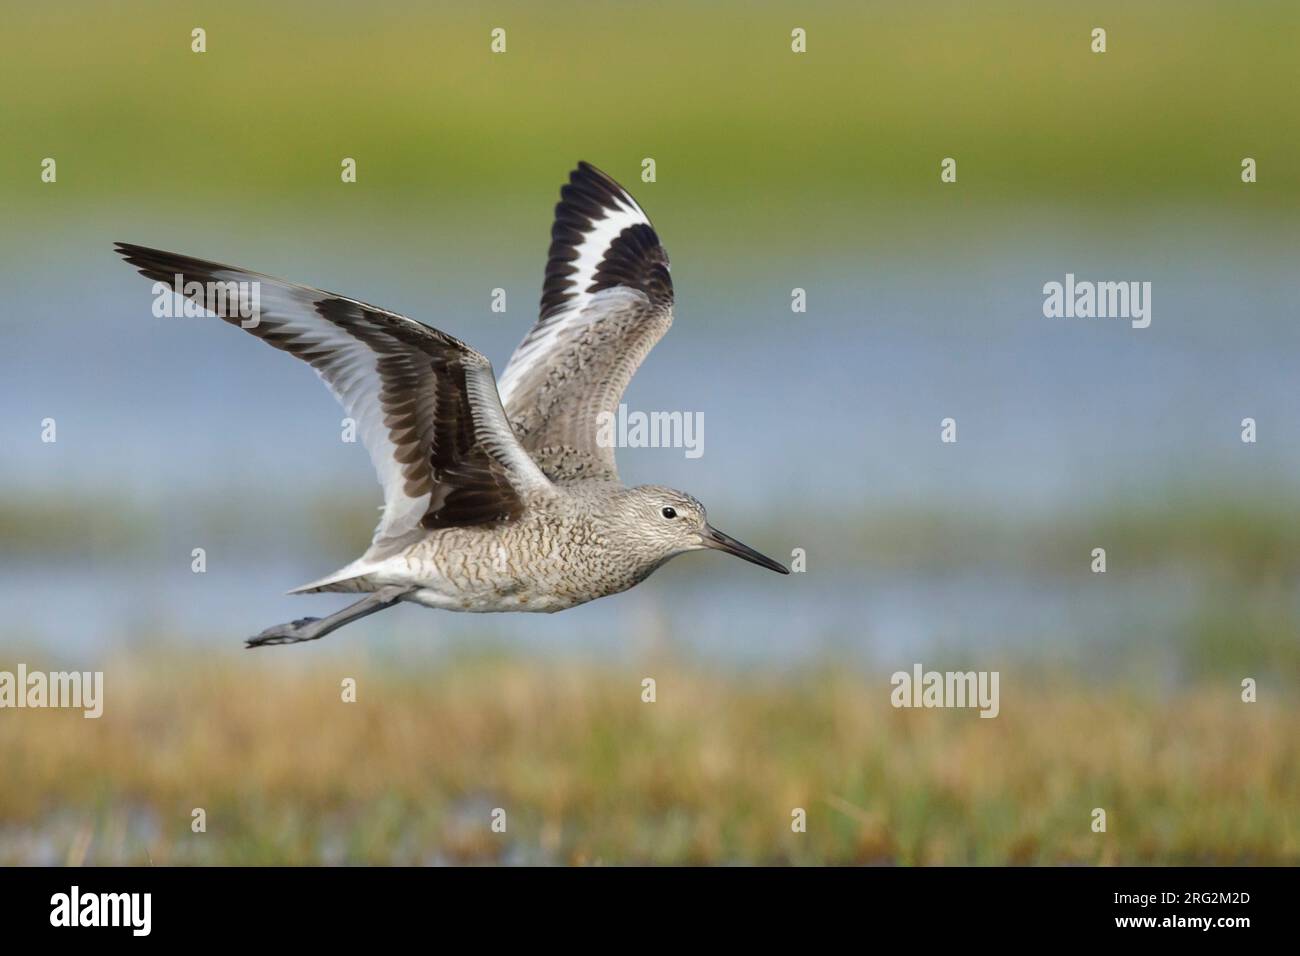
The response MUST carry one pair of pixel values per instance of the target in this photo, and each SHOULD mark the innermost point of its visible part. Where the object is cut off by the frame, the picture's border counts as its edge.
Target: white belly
(501, 589)
(484, 602)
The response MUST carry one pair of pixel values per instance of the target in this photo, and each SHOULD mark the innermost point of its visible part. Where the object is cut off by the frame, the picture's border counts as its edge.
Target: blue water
(832, 412)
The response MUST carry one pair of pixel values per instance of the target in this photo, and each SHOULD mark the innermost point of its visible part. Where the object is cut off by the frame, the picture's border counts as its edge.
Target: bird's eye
(669, 513)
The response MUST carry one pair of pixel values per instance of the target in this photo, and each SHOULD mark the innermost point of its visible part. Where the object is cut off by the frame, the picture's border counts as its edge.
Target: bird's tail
(352, 579)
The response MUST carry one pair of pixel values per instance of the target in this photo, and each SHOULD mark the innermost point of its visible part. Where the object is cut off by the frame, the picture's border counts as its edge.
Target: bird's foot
(291, 633)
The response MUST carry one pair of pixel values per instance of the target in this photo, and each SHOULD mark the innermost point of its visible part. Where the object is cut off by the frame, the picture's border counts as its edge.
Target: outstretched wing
(425, 404)
(607, 299)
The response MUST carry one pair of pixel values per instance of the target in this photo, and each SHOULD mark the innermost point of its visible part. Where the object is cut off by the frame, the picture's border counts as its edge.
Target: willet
(498, 495)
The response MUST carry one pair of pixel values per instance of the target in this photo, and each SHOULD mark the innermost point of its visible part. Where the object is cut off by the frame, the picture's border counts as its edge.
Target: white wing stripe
(494, 431)
(544, 342)
(595, 244)
(591, 252)
(352, 376)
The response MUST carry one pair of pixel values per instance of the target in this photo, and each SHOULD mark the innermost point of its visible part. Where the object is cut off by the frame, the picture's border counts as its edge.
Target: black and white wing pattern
(607, 299)
(425, 404)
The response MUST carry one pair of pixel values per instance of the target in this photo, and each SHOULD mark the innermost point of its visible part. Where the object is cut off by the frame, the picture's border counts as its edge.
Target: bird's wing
(425, 404)
(607, 299)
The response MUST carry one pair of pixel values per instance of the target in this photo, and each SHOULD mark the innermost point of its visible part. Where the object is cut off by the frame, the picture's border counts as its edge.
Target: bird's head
(664, 523)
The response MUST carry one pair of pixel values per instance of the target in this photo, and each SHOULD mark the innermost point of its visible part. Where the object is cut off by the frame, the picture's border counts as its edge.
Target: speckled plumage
(565, 550)
(498, 496)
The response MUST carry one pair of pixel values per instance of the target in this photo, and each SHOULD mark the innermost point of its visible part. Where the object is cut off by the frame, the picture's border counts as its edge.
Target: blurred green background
(774, 171)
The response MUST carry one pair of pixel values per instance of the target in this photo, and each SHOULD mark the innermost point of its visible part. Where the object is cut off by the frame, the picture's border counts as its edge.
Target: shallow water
(836, 411)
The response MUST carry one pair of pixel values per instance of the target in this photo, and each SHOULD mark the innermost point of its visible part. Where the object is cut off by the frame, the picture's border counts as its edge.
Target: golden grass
(588, 773)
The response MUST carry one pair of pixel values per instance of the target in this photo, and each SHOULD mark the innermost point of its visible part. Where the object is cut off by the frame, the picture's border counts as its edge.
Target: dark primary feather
(595, 326)
(423, 397)
(638, 261)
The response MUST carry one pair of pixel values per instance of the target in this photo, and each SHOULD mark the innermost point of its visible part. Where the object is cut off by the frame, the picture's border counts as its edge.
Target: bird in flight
(498, 495)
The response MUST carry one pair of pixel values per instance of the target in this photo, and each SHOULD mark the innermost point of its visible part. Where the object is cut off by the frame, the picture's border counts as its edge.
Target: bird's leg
(314, 628)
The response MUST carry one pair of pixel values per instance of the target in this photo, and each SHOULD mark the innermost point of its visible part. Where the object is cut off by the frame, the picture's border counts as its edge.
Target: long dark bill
(713, 538)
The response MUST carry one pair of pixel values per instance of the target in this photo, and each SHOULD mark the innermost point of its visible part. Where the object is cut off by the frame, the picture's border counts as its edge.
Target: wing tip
(128, 249)
(162, 266)
(146, 261)
(590, 185)
(588, 200)
(143, 257)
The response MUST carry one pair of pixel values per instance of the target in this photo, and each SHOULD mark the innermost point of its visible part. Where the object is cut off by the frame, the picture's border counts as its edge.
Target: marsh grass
(587, 773)
(436, 119)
